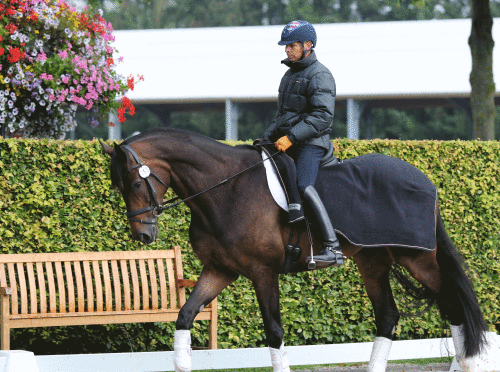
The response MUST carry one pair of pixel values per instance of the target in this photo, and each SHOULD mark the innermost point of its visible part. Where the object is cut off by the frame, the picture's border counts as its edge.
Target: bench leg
(212, 327)
(4, 326)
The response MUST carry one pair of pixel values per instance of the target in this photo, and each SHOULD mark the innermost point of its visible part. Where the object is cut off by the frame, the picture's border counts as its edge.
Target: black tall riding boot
(331, 253)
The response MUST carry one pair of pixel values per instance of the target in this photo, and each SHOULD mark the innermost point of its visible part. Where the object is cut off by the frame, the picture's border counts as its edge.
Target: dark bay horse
(238, 229)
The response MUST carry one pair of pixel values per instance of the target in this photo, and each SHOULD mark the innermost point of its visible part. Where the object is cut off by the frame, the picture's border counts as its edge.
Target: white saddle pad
(274, 184)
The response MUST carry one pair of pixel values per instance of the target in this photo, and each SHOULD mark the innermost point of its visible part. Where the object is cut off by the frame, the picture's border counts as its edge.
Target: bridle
(145, 173)
(157, 208)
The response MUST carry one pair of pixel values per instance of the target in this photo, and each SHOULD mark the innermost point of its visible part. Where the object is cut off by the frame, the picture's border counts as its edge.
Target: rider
(306, 102)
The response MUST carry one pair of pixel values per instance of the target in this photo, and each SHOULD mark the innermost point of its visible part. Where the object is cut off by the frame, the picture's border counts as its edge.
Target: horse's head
(142, 180)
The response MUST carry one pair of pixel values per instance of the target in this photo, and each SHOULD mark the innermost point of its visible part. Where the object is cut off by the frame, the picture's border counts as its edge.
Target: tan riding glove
(283, 143)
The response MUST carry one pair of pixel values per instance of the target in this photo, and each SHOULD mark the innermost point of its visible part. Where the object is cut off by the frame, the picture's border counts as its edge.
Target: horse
(237, 229)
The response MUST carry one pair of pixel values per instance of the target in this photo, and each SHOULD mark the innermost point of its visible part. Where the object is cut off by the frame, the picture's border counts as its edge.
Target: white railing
(22, 361)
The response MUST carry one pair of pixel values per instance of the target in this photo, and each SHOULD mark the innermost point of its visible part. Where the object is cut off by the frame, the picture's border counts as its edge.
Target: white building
(376, 64)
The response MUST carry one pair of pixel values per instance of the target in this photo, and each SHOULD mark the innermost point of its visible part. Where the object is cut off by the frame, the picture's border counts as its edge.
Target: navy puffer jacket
(306, 102)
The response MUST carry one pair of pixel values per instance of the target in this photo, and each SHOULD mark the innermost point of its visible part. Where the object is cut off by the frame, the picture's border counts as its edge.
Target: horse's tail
(456, 298)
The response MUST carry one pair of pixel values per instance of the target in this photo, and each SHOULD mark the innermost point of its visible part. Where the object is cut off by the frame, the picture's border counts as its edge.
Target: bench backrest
(93, 281)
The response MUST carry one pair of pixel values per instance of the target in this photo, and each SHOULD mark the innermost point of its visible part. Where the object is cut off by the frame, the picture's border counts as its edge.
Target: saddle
(285, 170)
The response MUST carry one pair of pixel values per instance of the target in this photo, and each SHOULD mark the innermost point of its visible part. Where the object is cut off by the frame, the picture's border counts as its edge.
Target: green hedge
(56, 197)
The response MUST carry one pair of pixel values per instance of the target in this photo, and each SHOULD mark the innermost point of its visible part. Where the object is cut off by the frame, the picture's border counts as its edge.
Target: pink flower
(41, 56)
(63, 54)
(44, 76)
(65, 79)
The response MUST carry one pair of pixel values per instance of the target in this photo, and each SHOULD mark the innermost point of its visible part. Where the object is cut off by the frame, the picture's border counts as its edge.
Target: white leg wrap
(487, 360)
(380, 354)
(279, 359)
(182, 351)
(466, 364)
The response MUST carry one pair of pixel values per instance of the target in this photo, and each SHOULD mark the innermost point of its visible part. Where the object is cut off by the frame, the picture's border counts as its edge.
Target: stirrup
(330, 256)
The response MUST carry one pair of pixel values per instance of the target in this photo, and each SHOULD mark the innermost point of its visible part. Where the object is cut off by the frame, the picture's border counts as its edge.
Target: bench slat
(60, 287)
(3, 280)
(32, 288)
(116, 285)
(163, 284)
(52, 287)
(88, 286)
(71, 286)
(22, 287)
(154, 286)
(181, 293)
(107, 285)
(126, 285)
(135, 285)
(80, 289)
(171, 283)
(13, 286)
(98, 286)
(144, 285)
(41, 287)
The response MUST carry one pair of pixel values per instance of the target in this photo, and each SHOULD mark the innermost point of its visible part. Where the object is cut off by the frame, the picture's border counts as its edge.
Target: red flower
(2, 50)
(34, 17)
(126, 104)
(110, 61)
(15, 55)
(11, 28)
(130, 82)
(1, 38)
(111, 124)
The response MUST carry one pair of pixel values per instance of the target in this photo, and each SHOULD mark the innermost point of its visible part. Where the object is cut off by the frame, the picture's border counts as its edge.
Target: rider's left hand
(283, 143)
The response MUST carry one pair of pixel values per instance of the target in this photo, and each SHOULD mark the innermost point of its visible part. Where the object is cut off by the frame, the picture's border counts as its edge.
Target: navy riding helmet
(298, 31)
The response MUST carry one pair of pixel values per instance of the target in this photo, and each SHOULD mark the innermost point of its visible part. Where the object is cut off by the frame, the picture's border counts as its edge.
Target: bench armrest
(182, 283)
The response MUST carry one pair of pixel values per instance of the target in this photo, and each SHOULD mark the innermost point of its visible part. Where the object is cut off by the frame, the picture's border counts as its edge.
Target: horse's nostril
(145, 238)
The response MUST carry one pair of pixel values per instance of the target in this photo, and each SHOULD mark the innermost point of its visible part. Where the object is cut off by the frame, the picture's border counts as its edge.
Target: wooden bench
(66, 289)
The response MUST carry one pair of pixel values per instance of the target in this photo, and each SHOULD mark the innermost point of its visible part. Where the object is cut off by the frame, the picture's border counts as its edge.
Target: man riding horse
(306, 103)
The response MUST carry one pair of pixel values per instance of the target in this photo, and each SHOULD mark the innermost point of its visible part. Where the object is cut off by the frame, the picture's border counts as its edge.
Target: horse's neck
(196, 168)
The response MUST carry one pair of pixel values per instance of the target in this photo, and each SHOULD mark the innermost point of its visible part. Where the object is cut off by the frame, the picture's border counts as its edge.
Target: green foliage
(55, 196)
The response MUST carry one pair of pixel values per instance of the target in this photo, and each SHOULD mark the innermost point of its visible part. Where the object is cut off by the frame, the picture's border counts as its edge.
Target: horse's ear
(107, 149)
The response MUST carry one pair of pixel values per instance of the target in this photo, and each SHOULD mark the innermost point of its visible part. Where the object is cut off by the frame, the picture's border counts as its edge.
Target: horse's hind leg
(374, 264)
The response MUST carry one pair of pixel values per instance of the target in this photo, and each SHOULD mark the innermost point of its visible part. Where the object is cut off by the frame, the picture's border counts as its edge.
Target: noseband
(145, 173)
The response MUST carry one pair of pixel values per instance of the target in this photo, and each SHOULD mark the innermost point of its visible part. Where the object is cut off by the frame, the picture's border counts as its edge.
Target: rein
(158, 208)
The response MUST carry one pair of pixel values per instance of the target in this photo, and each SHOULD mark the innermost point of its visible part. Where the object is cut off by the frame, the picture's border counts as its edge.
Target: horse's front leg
(209, 285)
(266, 285)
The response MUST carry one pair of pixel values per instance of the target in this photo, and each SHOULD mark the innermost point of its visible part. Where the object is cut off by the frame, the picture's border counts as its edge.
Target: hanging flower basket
(52, 60)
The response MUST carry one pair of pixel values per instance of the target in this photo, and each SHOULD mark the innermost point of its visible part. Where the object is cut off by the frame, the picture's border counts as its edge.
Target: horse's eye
(137, 185)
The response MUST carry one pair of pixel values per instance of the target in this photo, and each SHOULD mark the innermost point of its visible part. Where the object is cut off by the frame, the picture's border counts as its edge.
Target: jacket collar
(303, 63)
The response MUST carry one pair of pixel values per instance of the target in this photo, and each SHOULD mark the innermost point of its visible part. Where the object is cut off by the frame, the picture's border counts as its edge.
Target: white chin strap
(380, 354)
(279, 359)
(182, 351)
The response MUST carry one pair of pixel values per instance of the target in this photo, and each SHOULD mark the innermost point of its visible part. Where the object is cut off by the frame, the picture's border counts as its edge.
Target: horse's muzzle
(146, 236)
